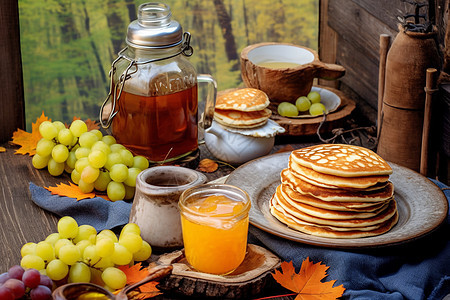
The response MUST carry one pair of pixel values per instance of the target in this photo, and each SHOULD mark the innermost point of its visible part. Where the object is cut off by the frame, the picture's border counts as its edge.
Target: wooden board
(300, 127)
(247, 280)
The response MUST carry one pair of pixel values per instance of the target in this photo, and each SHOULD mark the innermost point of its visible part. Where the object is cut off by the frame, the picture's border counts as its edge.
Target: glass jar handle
(208, 114)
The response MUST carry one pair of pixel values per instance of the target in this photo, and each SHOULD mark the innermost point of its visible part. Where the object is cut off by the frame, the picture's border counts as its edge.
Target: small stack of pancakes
(336, 191)
(242, 108)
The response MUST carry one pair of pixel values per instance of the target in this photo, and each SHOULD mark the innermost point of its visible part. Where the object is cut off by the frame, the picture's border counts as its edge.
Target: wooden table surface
(22, 221)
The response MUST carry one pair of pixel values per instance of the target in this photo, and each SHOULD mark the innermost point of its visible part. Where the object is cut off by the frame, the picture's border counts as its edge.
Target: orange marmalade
(214, 220)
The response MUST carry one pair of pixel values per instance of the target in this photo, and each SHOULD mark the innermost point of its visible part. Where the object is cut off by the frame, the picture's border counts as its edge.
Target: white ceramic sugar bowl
(237, 146)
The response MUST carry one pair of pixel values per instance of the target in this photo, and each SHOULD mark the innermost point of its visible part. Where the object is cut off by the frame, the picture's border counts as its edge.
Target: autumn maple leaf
(72, 191)
(26, 140)
(136, 273)
(207, 165)
(308, 282)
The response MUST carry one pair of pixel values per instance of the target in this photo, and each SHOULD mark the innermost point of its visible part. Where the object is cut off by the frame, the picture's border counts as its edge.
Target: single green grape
(55, 168)
(97, 158)
(127, 157)
(102, 181)
(131, 228)
(71, 160)
(75, 176)
(69, 254)
(104, 262)
(85, 232)
(85, 187)
(52, 238)
(60, 153)
(65, 137)
(28, 248)
(104, 247)
(32, 261)
(116, 147)
(79, 272)
(115, 191)
(90, 255)
(57, 270)
(131, 241)
(67, 227)
(119, 172)
(45, 250)
(81, 163)
(40, 162)
(121, 256)
(102, 146)
(287, 109)
(314, 97)
(59, 125)
(317, 109)
(129, 192)
(87, 139)
(114, 278)
(303, 104)
(132, 175)
(98, 133)
(82, 152)
(144, 253)
(83, 244)
(48, 130)
(114, 158)
(61, 243)
(89, 174)
(109, 139)
(106, 233)
(78, 127)
(44, 147)
(140, 162)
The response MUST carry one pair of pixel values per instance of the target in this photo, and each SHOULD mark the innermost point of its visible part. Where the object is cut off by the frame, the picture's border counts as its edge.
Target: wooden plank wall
(355, 27)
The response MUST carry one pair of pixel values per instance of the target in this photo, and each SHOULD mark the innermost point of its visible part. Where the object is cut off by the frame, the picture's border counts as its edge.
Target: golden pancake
(341, 195)
(287, 192)
(329, 231)
(338, 218)
(246, 99)
(240, 119)
(333, 181)
(341, 160)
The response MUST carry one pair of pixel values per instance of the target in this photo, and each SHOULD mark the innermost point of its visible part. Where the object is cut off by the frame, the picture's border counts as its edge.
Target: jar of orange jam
(214, 222)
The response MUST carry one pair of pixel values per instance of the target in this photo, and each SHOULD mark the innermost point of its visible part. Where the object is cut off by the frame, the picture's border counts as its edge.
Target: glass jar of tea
(152, 106)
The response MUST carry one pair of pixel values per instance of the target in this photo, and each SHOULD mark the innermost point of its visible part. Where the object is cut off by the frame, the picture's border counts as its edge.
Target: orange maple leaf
(307, 283)
(2, 149)
(26, 140)
(71, 191)
(136, 273)
(91, 124)
(207, 165)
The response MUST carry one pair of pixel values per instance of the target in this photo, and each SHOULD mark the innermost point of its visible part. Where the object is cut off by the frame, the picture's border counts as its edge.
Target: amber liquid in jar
(160, 128)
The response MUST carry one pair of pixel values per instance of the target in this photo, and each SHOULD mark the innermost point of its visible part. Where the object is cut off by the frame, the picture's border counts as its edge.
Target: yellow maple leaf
(308, 282)
(26, 140)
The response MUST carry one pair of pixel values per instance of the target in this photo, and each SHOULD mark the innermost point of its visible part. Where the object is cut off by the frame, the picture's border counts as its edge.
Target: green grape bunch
(93, 160)
(79, 254)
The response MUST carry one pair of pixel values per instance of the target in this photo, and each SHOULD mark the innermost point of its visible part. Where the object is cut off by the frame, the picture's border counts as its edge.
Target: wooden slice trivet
(248, 279)
(308, 126)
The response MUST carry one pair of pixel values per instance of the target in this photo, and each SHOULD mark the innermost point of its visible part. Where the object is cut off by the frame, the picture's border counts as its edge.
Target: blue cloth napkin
(416, 270)
(97, 212)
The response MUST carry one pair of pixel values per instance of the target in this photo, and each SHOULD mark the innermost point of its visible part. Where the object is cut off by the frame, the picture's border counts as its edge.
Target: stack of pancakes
(336, 191)
(242, 108)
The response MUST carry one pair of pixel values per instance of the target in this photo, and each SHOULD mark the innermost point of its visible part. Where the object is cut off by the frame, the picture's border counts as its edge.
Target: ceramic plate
(421, 204)
(330, 100)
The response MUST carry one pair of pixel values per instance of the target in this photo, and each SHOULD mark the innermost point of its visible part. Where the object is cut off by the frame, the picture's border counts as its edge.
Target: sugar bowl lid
(154, 27)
